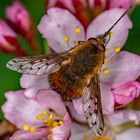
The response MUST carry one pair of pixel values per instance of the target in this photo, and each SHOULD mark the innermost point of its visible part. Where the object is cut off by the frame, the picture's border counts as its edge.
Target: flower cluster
(85, 11)
(39, 112)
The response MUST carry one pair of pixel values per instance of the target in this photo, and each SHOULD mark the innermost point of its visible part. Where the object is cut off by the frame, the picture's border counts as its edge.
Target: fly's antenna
(106, 33)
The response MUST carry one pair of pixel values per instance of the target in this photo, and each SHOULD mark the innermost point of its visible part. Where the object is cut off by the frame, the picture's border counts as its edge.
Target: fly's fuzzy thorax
(84, 62)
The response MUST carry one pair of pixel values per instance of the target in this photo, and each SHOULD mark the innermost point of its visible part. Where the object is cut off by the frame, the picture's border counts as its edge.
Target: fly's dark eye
(97, 44)
(93, 40)
(101, 47)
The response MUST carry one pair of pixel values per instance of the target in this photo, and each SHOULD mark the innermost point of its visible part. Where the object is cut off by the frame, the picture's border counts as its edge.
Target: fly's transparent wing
(36, 65)
(91, 100)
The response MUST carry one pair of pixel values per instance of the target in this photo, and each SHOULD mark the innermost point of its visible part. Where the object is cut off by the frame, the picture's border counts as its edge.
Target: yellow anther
(106, 49)
(32, 129)
(110, 34)
(105, 60)
(25, 127)
(74, 41)
(50, 116)
(49, 119)
(39, 117)
(43, 112)
(66, 38)
(61, 122)
(54, 123)
(77, 30)
(105, 71)
(117, 49)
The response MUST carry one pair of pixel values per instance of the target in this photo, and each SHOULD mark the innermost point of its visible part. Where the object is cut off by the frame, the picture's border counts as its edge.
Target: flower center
(49, 122)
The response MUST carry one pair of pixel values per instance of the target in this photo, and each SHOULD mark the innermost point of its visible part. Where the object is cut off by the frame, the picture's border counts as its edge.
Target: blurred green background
(9, 80)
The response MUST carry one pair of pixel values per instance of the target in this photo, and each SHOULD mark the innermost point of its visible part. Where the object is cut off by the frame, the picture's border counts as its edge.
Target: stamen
(49, 119)
(110, 34)
(74, 42)
(25, 127)
(66, 38)
(32, 129)
(105, 59)
(106, 49)
(77, 30)
(44, 113)
(117, 49)
(61, 122)
(39, 117)
(54, 123)
(105, 71)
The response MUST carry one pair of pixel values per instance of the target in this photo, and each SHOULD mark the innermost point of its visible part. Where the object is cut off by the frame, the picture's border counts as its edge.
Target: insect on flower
(74, 74)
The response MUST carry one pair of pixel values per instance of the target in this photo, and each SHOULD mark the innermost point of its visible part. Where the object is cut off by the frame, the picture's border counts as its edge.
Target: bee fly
(73, 74)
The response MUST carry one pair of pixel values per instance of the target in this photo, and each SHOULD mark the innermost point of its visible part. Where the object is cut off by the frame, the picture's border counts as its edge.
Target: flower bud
(126, 93)
(21, 21)
(8, 40)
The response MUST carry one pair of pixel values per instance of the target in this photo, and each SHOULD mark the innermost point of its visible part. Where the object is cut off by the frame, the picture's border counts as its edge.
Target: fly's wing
(91, 101)
(36, 65)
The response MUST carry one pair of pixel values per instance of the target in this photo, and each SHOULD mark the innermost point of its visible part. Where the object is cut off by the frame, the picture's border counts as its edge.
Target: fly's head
(98, 42)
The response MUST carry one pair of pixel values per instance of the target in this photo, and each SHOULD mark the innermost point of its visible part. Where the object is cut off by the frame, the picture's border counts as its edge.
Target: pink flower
(126, 93)
(39, 117)
(8, 40)
(63, 34)
(115, 127)
(86, 10)
(21, 21)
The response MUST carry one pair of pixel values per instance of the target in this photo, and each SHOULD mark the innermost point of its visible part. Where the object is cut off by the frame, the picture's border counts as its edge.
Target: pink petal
(62, 132)
(126, 93)
(75, 114)
(130, 134)
(132, 115)
(124, 116)
(123, 68)
(77, 103)
(104, 21)
(107, 99)
(81, 132)
(20, 110)
(50, 100)
(57, 24)
(26, 135)
(121, 3)
(33, 83)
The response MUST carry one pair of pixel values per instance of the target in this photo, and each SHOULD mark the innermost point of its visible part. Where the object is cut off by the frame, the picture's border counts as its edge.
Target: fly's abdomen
(66, 83)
